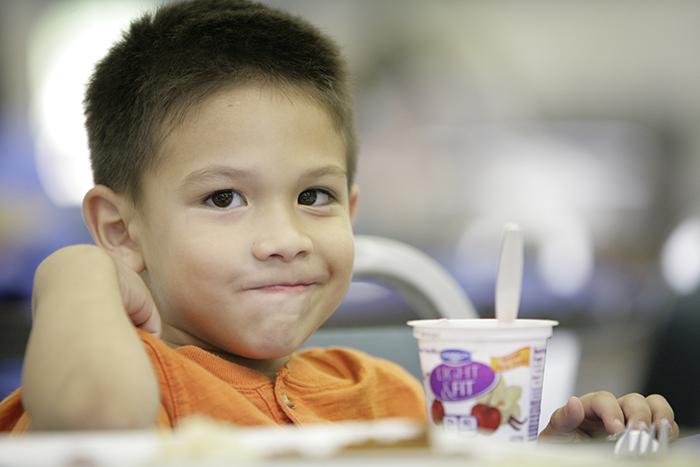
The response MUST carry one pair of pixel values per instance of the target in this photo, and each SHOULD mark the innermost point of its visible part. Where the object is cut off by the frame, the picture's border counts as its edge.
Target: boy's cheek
(343, 251)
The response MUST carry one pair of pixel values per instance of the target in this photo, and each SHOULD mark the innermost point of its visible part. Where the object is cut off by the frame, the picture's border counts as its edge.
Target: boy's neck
(269, 368)
(177, 338)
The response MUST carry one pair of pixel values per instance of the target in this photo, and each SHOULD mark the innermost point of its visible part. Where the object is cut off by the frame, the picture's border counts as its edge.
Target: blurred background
(578, 120)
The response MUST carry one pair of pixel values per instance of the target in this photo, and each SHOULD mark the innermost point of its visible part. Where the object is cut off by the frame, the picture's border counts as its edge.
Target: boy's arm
(85, 367)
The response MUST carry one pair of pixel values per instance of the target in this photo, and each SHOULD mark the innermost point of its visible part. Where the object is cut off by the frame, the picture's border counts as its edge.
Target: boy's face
(245, 225)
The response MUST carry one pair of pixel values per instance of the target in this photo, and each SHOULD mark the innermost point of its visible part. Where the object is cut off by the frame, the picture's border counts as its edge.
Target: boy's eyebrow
(215, 173)
(230, 173)
(326, 170)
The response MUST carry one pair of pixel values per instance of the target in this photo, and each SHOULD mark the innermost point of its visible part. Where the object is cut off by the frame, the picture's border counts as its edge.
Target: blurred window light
(544, 182)
(478, 248)
(680, 257)
(544, 173)
(66, 42)
(563, 244)
(565, 258)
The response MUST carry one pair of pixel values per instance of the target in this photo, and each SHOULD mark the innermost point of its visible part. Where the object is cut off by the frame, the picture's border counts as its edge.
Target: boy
(223, 153)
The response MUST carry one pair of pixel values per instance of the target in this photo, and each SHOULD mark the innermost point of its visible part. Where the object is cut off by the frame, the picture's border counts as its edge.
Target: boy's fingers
(636, 409)
(137, 300)
(565, 421)
(662, 410)
(602, 411)
(152, 322)
(143, 313)
(602, 406)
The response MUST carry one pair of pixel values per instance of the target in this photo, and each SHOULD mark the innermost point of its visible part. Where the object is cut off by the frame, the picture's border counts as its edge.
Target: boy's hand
(601, 413)
(137, 299)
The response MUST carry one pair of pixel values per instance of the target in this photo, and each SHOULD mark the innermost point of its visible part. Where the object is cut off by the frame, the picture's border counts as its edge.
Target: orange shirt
(316, 385)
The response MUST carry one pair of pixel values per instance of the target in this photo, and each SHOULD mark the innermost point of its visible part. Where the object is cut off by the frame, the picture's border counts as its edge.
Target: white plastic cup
(482, 378)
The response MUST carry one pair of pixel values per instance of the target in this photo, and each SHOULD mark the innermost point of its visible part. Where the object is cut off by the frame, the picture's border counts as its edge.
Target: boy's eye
(225, 199)
(314, 197)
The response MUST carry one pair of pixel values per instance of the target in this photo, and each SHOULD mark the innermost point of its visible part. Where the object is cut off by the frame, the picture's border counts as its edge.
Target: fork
(643, 441)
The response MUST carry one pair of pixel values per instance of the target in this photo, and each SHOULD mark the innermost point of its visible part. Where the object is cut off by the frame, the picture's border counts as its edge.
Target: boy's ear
(354, 193)
(107, 216)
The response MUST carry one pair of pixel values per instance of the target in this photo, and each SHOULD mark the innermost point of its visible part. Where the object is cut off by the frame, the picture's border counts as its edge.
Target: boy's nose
(282, 239)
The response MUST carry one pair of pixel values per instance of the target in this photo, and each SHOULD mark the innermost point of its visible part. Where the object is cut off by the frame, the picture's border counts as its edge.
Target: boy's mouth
(282, 286)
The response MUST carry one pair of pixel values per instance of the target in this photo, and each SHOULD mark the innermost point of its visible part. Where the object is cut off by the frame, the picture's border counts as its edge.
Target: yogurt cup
(483, 379)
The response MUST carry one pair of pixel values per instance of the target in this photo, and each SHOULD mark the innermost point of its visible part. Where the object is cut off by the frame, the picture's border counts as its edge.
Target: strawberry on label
(488, 418)
(437, 412)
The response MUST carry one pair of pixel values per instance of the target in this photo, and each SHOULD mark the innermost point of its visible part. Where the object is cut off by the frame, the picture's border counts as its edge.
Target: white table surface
(250, 446)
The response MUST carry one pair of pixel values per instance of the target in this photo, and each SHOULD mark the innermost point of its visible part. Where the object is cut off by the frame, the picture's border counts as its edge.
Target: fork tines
(643, 441)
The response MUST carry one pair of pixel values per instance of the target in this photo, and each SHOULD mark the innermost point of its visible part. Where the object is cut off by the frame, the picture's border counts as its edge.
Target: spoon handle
(510, 274)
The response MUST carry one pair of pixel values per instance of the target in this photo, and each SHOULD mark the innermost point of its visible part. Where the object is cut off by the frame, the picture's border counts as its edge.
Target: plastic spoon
(510, 274)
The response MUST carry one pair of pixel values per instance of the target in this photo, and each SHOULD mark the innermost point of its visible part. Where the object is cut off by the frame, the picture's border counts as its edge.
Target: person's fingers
(603, 413)
(564, 422)
(137, 300)
(142, 309)
(151, 324)
(662, 410)
(636, 409)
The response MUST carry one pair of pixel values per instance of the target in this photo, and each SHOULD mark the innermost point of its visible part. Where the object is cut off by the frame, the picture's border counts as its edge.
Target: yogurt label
(462, 379)
(487, 391)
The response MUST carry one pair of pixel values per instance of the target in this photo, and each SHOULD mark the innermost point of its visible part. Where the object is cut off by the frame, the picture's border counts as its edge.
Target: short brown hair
(170, 60)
